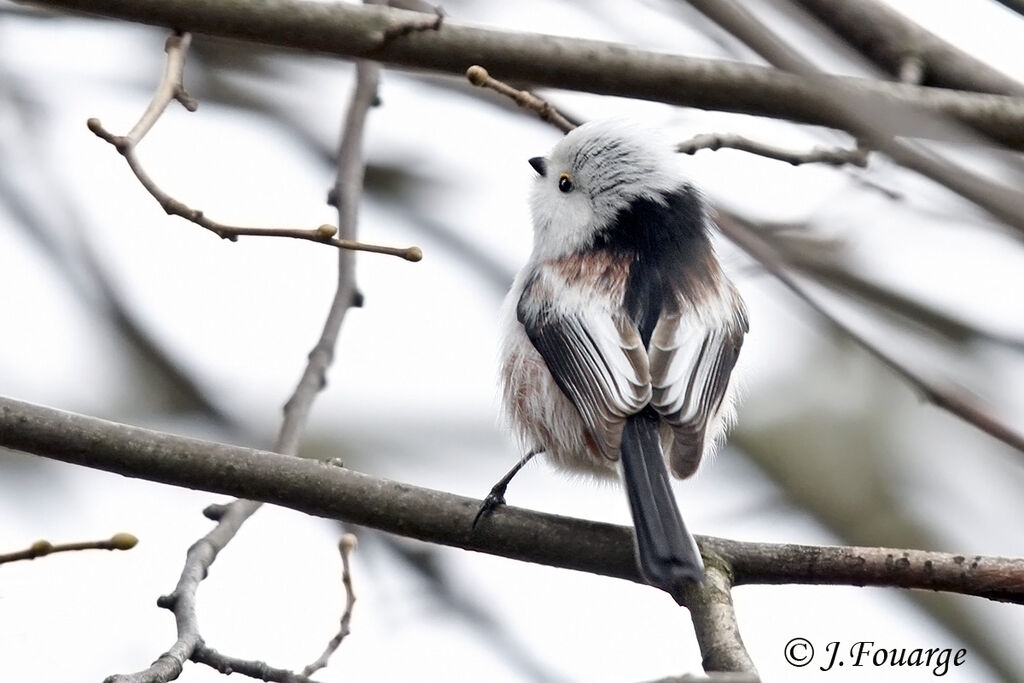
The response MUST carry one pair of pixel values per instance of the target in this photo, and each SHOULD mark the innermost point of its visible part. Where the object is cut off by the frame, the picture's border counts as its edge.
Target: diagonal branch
(479, 77)
(189, 644)
(171, 89)
(325, 490)
(867, 119)
(888, 39)
(746, 238)
(838, 276)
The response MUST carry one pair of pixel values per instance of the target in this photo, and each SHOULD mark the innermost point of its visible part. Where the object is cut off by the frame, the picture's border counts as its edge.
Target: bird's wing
(598, 360)
(692, 354)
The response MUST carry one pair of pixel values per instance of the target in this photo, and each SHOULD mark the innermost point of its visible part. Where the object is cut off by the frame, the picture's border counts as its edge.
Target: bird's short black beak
(540, 166)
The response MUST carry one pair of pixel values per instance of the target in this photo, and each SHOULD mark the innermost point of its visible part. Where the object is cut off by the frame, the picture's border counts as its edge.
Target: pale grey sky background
(412, 393)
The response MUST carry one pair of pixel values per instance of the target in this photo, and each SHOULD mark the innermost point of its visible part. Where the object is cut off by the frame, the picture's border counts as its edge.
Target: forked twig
(171, 89)
(836, 156)
(345, 547)
(479, 77)
(182, 601)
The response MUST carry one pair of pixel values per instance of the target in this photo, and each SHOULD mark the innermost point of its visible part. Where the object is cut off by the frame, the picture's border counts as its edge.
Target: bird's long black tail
(666, 552)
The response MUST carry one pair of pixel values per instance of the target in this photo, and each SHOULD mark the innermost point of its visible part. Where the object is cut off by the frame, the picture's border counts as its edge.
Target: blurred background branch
(838, 441)
(888, 38)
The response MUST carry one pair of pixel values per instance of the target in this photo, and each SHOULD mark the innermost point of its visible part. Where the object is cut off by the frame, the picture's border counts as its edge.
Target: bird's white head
(592, 174)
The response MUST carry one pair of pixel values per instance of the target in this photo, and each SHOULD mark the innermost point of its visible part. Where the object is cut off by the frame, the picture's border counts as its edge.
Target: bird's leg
(497, 495)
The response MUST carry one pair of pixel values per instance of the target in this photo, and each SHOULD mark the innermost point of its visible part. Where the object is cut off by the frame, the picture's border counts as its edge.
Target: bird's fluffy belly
(539, 413)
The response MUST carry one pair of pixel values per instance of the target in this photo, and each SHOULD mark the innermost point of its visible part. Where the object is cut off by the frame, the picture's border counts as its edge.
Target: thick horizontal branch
(378, 33)
(325, 490)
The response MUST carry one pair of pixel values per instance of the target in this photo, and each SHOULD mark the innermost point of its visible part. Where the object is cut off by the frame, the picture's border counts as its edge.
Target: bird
(621, 332)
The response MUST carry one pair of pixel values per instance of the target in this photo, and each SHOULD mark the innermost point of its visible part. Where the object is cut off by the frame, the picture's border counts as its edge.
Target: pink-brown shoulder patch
(608, 272)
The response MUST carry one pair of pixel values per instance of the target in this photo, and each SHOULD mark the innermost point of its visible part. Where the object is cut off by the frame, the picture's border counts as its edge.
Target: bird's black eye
(565, 183)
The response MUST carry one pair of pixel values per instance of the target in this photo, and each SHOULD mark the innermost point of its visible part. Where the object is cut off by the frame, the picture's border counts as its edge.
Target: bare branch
(745, 236)
(865, 120)
(479, 77)
(835, 156)
(171, 89)
(354, 31)
(714, 621)
(776, 564)
(247, 667)
(841, 278)
(120, 541)
(325, 490)
(189, 644)
(347, 545)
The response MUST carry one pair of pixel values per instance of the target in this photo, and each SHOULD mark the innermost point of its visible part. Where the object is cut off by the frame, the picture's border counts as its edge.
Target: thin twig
(345, 547)
(318, 488)
(479, 77)
(745, 237)
(253, 668)
(120, 541)
(171, 89)
(714, 621)
(296, 413)
(836, 156)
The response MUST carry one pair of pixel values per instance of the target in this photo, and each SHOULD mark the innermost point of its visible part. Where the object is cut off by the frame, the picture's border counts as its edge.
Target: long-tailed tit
(621, 332)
